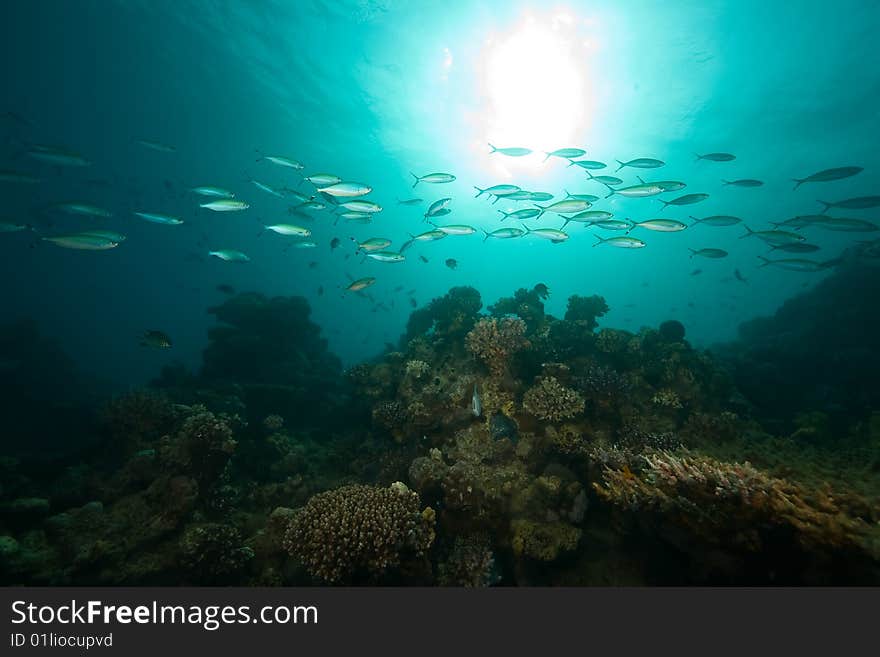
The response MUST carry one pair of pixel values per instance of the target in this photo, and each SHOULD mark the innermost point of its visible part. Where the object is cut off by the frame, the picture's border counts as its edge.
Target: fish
(225, 205)
(708, 253)
(794, 264)
(413, 303)
(539, 196)
(8, 176)
(642, 190)
(457, 229)
(744, 182)
(386, 256)
(738, 275)
(717, 220)
(436, 207)
(361, 205)
(214, 192)
(773, 236)
(411, 201)
(346, 189)
(307, 205)
(846, 225)
(372, 244)
(362, 217)
(304, 245)
(591, 165)
(302, 198)
(566, 153)
(696, 272)
(111, 235)
(452, 263)
(57, 156)
(860, 203)
(289, 229)
(497, 190)
(320, 290)
(795, 247)
(84, 209)
(800, 221)
(687, 199)
(360, 284)
(323, 179)
(613, 224)
(521, 215)
(155, 339)
(282, 161)
(608, 181)
(510, 152)
(666, 185)
(641, 163)
(592, 198)
(503, 233)
(157, 146)
(715, 157)
(7, 227)
(230, 255)
(620, 242)
(661, 225)
(334, 243)
(521, 195)
(156, 218)
(555, 236)
(434, 178)
(423, 258)
(588, 217)
(267, 188)
(82, 242)
(567, 206)
(428, 236)
(225, 288)
(828, 175)
(476, 404)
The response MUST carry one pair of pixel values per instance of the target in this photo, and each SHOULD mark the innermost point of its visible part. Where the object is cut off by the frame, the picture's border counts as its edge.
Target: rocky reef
(505, 447)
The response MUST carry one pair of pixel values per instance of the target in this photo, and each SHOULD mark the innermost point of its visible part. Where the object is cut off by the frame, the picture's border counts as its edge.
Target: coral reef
(549, 400)
(359, 531)
(495, 341)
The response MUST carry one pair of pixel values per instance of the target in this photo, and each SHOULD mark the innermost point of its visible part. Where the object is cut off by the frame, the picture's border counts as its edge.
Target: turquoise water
(373, 90)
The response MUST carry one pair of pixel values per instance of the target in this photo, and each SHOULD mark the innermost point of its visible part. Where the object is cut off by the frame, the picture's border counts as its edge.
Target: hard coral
(550, 400)
(494, 341)
(585, 310)
(359, 531)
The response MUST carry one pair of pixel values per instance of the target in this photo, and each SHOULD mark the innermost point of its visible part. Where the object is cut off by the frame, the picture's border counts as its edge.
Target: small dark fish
(411, 292)
(452, 263)
(739, 276)
(320, 290)
(696, 272)
(399, 288)
(413, 302)
(225, 288)
(313, 264)
(156, 339)
(542, 290)
(334, 243)
(423, 258)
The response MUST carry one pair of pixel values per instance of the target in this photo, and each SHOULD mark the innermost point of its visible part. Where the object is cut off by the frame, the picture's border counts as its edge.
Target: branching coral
(359, 531)
(494, 341)
(667, 399)
(550, 400)
(712, 497)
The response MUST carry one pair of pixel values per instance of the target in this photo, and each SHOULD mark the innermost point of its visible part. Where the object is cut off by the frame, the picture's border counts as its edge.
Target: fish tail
(479, 191)
(547, 156)
(826, 204)
(598, 238)
(571, 163)
(567, 193)
(665, 203)
(696, 221)
(416, 177)
(497, 198)
(526, 228)
(589, 175)
(749, 232)
(487, 234)
(640, 179)
(799, 181)
(622, 164)
(565, 224)
(693, 252)
(765, 261)
(504, 214)
(610, 192)
(493, 149)
(697, 157)
(726, 182)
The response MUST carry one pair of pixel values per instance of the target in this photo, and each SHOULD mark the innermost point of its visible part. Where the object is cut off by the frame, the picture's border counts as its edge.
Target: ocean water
(375, 91)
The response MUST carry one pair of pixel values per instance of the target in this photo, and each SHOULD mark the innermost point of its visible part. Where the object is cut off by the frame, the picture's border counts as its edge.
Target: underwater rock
(672, 331)
(543, 541)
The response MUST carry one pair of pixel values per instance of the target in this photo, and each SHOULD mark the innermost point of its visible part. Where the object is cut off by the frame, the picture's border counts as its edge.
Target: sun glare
(535, 87)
